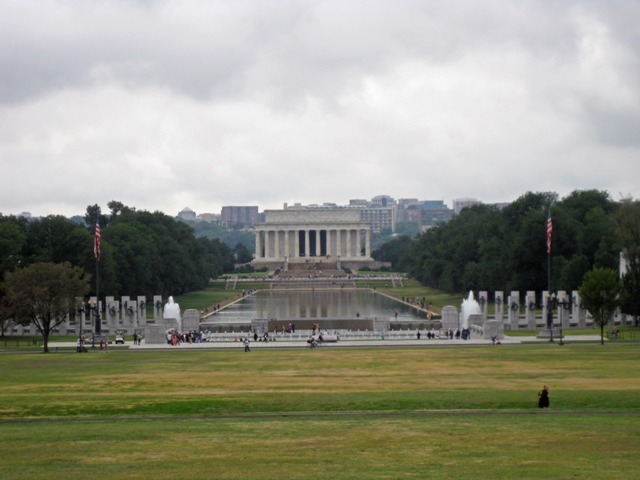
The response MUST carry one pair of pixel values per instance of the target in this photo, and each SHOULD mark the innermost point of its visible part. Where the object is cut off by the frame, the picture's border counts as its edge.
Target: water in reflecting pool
(318, 304)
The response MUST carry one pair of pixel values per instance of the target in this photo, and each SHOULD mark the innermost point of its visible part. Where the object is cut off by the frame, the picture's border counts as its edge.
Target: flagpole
(98, 325)
(549, 303)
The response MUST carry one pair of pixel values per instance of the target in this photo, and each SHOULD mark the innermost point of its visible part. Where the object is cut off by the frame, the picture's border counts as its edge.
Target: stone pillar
(276, 244)
(296, 244)
(112, 314)
(142, 311)
(358, 243)
(318, 246)
(129, 314)
(191, 320)
(258, 245)
(287, 251)
(530, 315)
(450, 318)
(499, 305)
(367, 244)
(267, 244)
(349, 251)
(307, 250)
(579, 313)
(514, 309)
(563, 312)
(157, 308)
(339, 243)
(484, 304)
(493, 328)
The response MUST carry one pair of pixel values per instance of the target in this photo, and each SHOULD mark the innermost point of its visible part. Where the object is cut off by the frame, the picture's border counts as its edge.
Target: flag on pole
(96, 242)
(549, 230)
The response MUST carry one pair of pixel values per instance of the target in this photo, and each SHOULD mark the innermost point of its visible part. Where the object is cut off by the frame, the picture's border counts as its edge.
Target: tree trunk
(45, 340)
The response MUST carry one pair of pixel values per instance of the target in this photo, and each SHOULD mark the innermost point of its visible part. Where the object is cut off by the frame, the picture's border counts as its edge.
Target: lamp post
(559, 303)
(550, 304)
(97, 326)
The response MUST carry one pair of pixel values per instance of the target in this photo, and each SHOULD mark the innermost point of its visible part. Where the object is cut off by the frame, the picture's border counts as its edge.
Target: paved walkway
(389, 342)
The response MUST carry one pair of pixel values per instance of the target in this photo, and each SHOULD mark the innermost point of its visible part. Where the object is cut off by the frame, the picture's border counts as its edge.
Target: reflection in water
(309, 304)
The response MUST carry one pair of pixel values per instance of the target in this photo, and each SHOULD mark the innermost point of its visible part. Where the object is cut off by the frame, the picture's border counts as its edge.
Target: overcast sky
(167, 104)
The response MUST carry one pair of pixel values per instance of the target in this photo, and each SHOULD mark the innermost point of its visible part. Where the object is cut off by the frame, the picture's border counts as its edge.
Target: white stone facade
(297, 235)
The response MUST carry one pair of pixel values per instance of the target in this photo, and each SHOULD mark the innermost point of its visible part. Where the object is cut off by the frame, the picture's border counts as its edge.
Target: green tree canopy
(627, 228)
(505, 249)
(43, 294)
(599, 293)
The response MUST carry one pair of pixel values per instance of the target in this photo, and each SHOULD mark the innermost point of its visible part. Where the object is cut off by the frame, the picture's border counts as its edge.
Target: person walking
(246, 345)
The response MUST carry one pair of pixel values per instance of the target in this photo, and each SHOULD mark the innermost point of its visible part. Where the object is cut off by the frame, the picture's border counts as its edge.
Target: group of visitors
(263, 338)
(420, 303)
(448, 333)
(178, 338)
(214, 309)
(81, 344)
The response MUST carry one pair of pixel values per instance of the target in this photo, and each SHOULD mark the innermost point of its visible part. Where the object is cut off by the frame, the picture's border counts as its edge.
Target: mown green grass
(323, 380)
(365, 413)
(415, 447)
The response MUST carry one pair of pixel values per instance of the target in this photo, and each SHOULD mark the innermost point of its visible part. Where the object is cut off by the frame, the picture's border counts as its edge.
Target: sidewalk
(237, 345)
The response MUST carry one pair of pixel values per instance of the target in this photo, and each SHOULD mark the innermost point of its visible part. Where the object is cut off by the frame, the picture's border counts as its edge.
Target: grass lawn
(361, 413)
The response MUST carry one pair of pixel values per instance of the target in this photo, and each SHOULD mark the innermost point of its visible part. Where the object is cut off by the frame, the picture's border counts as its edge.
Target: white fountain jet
(469, 307)
(172, 310)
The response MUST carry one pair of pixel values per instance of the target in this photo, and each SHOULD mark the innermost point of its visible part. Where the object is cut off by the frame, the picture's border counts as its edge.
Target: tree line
(141, 253)
(491, 248)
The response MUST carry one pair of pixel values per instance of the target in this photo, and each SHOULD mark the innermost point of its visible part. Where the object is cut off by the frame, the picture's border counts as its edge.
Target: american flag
(549, 230)
(96, 242)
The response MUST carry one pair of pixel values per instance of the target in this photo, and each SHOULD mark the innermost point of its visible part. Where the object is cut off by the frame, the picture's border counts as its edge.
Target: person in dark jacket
(543, 397)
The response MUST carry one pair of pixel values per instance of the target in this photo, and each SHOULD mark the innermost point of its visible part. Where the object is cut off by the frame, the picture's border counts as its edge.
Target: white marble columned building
(298, 235)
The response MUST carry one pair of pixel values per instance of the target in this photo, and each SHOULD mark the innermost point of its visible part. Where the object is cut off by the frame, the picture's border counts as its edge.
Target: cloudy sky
(164, 104)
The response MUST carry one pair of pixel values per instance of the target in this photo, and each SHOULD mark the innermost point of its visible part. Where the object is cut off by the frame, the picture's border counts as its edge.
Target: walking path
(388, 342)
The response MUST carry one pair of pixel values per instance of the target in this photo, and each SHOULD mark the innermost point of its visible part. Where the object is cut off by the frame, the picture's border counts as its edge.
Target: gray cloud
(164, 104)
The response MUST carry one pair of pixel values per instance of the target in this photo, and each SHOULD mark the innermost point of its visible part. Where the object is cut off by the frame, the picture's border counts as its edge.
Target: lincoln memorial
(299, 235)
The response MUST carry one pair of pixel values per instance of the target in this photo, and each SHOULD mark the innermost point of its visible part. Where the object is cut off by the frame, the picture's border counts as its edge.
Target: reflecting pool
(315, 304)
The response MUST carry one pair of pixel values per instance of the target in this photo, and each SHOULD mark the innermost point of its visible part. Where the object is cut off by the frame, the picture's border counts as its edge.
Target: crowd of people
(448, 333)
(178, 338)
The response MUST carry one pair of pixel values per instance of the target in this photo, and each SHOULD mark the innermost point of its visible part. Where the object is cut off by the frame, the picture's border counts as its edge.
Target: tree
(93, 215)
(43, 294)
(397, 251)
(627, 221)
(599, 294)
(117, 208)
(242, 253)
(630, 294)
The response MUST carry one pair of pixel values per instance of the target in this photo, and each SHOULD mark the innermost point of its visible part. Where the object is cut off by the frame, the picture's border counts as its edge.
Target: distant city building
(460, 203)
(208, 217)
(425, 214)
(187, 214)
(380, 218)
(247, 215)
(383, 212)
(380, 212)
